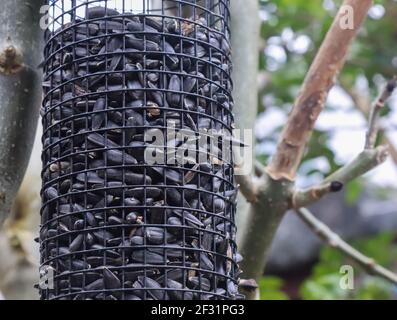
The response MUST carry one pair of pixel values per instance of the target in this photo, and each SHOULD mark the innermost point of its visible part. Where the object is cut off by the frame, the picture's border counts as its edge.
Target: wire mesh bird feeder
(137, 204)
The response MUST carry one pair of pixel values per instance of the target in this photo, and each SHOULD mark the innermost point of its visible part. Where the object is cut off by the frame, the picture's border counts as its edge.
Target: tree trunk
(20, 92)
(245, 38)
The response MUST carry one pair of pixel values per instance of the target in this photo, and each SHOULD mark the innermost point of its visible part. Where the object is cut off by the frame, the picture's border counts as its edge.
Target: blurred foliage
(324, 282)
(271, 288)
(354, 190)
(292, 31)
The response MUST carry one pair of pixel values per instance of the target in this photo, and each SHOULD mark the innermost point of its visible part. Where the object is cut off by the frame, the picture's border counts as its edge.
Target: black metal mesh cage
(137, 203)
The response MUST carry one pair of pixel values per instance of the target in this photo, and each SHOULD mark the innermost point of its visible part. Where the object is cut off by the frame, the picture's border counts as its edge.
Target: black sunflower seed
(111, 281)
(148, 257)
(178, 293)
(76, 243)
(115, 156)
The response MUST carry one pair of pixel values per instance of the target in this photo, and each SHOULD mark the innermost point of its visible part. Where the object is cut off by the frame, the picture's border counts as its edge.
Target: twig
(373, 128)
(335, 241)
(245, 180)
(247, 183)
(363, 163)
(363, 103)
(319, 80)
(305, 197)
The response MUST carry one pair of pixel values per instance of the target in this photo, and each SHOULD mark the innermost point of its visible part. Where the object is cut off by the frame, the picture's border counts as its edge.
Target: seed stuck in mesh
(113, 226)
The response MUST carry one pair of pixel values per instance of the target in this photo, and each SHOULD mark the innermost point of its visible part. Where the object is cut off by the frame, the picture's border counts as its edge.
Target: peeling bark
(319, 80)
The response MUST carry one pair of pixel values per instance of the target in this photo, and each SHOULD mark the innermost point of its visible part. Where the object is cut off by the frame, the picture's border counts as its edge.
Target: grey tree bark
(21, 40)
(20, 92)
(245, 38)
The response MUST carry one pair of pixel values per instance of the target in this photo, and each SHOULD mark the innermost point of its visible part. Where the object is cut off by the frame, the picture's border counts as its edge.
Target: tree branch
(362, 102)
(247, 187)
(332, 239)
(363, 163)
(20, 92)
(373, 129)
(248, 184)
(319, 80)
(308, 196)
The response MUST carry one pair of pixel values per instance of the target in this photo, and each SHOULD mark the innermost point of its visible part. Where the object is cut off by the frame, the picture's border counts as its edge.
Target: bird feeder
(138, 189)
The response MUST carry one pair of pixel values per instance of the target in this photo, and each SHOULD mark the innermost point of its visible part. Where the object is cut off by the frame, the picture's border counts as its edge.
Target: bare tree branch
(319, 80)
(247, 187)
(332, 239)
(373, 129)
(248, 184)
(20, 92)
(363, 103)
(302, 198)
(363, 163)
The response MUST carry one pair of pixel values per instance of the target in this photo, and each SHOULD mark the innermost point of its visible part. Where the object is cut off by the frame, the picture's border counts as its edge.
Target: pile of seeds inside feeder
(113, 227)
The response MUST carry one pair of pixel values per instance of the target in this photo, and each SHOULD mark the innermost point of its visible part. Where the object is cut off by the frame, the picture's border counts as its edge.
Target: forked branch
(367, 160)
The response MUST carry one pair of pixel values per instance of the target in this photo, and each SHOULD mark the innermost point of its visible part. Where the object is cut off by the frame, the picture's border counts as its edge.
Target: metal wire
(114, 225)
